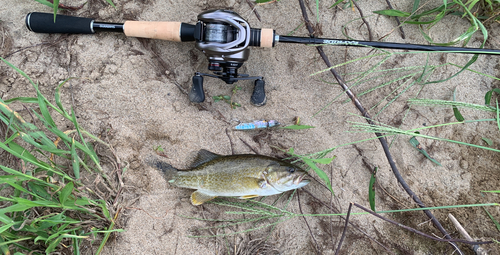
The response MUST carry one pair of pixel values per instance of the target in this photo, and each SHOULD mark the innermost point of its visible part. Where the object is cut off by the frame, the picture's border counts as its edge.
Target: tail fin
(167, 170)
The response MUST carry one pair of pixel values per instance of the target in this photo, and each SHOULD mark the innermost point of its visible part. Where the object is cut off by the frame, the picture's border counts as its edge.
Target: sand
(127, 89)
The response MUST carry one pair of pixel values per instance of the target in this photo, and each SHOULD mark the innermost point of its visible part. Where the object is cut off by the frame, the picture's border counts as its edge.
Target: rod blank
(385, 45)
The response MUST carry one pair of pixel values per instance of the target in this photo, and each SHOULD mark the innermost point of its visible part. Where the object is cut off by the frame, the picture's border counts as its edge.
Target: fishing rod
(222, 35)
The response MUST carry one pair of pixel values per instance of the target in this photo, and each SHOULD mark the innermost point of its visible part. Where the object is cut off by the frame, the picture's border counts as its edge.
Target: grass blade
(415, 143)
(53, 191)
(3, 228)
(22, 100)
(4, 248)
(445, 103)
(40, 190)
(393, 13)
(324, 161)
(22, 151)
(14, 241)
(336, 3)
(18, 70)
(58, 97)
(91, 152)
(55, 6)
(487, 140)
(489, 94)
(65, 192)
(498, 116)
(297, 127)
(40, 164)
(416, 3)
(75, 160)
(321, 174)
(43, 108)
(106, 236)
(456, 112)
(317, 11)
(371, 189)
(390, 131)
(111, 3)
(493, 219)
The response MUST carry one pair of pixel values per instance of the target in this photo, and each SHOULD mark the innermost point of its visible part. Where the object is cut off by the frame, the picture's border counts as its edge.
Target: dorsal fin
(203, 157)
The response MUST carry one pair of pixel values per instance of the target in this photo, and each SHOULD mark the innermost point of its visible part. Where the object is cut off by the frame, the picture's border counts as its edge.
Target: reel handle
(259, 93)
(197, 94)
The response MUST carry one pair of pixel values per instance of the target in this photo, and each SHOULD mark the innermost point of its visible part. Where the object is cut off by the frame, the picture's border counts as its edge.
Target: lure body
(258, 124)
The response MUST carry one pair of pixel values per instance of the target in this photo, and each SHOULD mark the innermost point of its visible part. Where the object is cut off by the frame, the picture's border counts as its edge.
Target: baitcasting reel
(224, 37)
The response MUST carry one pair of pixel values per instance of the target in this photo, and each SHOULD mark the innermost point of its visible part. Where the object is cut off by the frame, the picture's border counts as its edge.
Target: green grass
(402, 79)
(476, 12)
(45, 204)
(229, 99)
(55, 5)
(261, 215)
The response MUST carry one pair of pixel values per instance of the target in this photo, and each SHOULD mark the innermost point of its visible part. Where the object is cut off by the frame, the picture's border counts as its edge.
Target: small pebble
(464, 164)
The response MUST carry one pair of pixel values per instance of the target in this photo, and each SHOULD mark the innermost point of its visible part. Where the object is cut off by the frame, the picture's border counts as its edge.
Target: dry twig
(252, 6)
(397, 21)
(370, 37)
(318, 251)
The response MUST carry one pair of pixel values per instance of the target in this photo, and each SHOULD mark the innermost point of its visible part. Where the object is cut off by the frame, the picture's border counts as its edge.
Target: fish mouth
(301, 179)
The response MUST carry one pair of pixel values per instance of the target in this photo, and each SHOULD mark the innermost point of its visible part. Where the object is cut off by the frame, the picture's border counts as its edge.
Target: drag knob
(197, 95)
(259, 94)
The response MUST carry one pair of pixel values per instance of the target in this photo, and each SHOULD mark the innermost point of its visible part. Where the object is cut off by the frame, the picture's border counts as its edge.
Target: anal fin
(198, 198)
(248, 196)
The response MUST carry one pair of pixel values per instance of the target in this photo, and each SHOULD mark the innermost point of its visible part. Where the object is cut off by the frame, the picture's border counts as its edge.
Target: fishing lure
(257, 124)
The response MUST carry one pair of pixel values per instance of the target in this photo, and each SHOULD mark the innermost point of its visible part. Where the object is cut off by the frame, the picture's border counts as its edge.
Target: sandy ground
(126, 87)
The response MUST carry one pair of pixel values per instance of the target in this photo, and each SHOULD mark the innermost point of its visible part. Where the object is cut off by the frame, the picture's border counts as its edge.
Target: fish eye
(290, 169)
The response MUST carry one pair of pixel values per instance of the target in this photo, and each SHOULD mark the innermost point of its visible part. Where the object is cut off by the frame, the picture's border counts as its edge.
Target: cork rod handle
(153, 29)
(266, 38)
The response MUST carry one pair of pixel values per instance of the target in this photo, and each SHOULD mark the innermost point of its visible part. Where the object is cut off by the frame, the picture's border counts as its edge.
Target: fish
(244, 176)
(257, 124)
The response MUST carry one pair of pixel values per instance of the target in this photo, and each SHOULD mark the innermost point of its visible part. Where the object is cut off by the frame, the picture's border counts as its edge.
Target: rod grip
(40, 22)
(262, 37)
(163, 30)
(266, 37)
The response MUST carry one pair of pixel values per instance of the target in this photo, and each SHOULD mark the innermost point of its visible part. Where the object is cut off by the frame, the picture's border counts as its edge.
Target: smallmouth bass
(243, 176)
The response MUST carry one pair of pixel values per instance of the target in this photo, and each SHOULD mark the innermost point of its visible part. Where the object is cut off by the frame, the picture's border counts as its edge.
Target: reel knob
(197, 95)
(259, 94)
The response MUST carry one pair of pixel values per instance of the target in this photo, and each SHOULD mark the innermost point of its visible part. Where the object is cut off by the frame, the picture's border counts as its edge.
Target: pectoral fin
(248, 196)
(198, 198)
